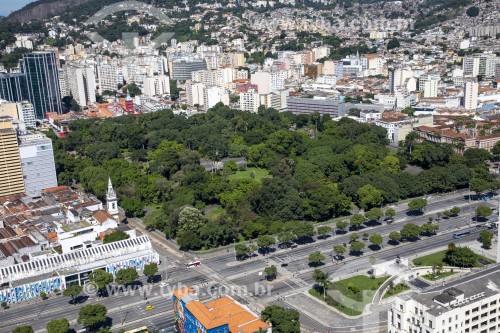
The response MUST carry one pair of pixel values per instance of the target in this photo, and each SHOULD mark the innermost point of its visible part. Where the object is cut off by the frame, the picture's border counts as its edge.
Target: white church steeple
(111, 200)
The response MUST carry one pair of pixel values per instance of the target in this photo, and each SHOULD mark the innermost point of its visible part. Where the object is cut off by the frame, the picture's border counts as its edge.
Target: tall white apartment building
(249, 101)
(157, 85)
(213, 95)
(329, 67)
(26, 113)
(63, 83)
(269, 81)
(431, 88)
(110, 76)
(81, 82)
(470, 94)
(470, 65)
(466, 307)
(195, 93)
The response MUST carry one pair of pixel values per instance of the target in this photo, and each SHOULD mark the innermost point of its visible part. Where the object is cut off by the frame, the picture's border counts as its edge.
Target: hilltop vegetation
(154, 159)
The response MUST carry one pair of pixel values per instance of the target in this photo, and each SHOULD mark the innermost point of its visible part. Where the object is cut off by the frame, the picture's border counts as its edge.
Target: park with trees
(299, 174)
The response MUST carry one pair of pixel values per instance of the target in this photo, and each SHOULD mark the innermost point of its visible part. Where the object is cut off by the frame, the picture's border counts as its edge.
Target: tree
(23, 329)
(316, 258)
(92, 316)
(132, 207)
(322, 279)
(58, 326)
(455, 211)
(357, 247)
(353, 237)
(4, 305)
(324, 230)
(115, 236)
(472, 11)
(376, 240)
(460, 257)
(357, 220)
(374, 214)
(393, 43)
(485, 238)
(417, 204)
(72, 291)
(126, 276)
(265, 241)
(283, 320)
(339, 250)
(410, 231)
(342, 225)
(369, 196)
(133, 89)
(100, 278)
(241, 251)
(150, 270)
(43, 295)
(390, 213)
(303, 230)
(395, 236)
(286, 237)
(483, 211)
(271, 272)
(429, 229)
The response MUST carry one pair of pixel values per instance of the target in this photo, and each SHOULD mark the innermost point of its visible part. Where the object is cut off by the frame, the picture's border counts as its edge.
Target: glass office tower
(42, 77)
(13, 87)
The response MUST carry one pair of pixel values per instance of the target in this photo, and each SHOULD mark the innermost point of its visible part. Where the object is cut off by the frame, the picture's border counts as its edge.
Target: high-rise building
(213, 95)
(26, 113)
(269, 82)
(324, 105)
(470, 94)
(109, 77)
(470, 65)
(13, 87)
(430, 88)
(195, 93)
(81, 82)
(37, 161)
(181, 68)
(63, 83)
(11, 173)
(157, 85)
(249, 101)
(42, 77)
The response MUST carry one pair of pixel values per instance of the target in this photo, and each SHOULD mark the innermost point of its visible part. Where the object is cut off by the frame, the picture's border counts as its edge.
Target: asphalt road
(128, 311)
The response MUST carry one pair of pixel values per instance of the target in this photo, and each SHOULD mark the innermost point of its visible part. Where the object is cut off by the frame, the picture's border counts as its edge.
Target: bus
(142, 329)
(460, 234)
(194, 264)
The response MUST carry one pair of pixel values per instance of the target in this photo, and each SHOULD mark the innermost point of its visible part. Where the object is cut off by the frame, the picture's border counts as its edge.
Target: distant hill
(42, 9)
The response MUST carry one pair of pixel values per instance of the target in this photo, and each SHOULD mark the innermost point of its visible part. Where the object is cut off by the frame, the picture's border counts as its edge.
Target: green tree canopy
(100, 278)
(150, 270)
(410, 231)
(395, 236)
(126, 276)
(316, 258)
(115, 236)
(417, 204)
(283, 320)
(271, 272)
(92, 316)
(483, 211)
(23, 329)
(73, 291)
(58, 326)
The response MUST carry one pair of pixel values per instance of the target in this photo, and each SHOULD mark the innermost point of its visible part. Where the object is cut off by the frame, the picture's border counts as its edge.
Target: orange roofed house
(223, 315)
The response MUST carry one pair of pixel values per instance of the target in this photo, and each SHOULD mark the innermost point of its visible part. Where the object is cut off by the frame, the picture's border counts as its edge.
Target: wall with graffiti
(137, 263)
(31, 290)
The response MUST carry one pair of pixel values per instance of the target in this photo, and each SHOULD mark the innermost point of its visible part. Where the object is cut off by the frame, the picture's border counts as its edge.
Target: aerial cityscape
(238, 166)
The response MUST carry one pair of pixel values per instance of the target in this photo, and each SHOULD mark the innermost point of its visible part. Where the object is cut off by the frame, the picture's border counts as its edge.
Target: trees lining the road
(265, 241)
(485, 238)
(390, 212)
(410, 231)
(271, 272)
(357, 220)
(342, 225)
(100, 278)
(150, 270)
(92, 316)
(483, 211)
(58, 326)
(417, 204)
(23, 329)
(356, 248)
(126, 276)
(376, 240)
(395, 236)
(339, 250)
(322, 279)
(283, 320)
(316, 258)
(323, 231)
(73, 292)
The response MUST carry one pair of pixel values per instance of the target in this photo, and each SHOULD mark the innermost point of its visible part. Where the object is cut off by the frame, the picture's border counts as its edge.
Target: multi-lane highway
(128, 310)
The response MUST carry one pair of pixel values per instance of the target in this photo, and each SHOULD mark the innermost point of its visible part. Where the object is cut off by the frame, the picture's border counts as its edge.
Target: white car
(163, 284)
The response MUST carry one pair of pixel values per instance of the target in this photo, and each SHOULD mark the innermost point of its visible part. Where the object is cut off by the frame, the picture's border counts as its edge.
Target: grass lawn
(442, 275)
(398, 288)
(349, 302)
(438, 258)
(246, 174)
(215, 213)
